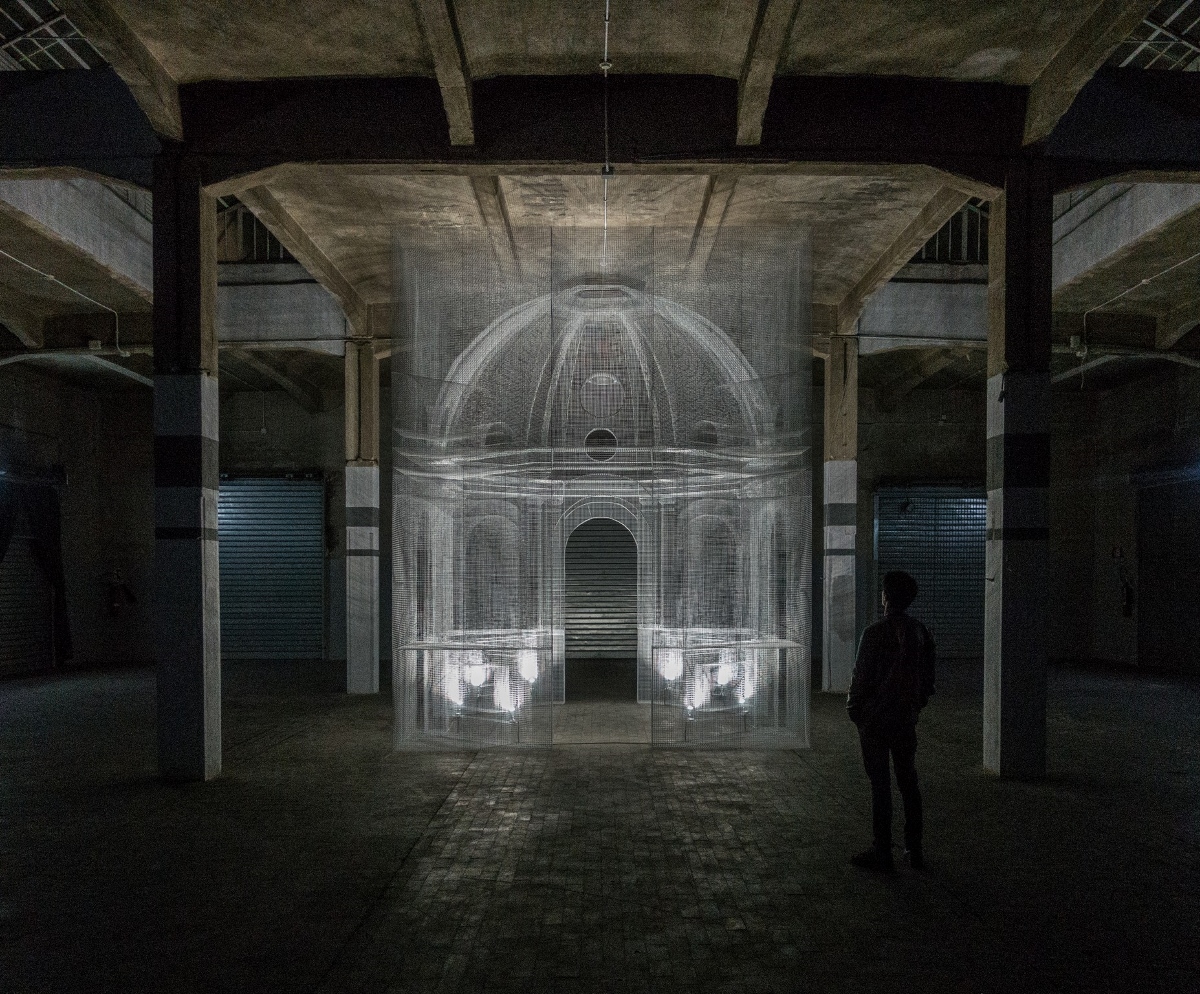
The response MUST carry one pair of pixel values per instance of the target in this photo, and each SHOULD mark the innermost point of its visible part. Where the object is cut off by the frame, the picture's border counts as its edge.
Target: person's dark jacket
(893, 675)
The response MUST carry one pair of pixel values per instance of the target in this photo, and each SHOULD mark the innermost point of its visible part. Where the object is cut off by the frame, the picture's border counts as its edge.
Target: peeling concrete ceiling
(1008, 41)
(353, 217)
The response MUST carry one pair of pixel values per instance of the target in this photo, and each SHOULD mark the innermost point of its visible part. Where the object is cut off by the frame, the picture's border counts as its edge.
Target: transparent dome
(602, 368)
(668, 396)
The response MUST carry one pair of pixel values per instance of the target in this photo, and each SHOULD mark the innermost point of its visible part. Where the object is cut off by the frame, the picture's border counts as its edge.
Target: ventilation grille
(938, 534)
(272, 568)
(601, 592)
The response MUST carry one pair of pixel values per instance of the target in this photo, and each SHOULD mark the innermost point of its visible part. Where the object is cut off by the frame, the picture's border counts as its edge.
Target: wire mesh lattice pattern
(598, 375)
(938, 534)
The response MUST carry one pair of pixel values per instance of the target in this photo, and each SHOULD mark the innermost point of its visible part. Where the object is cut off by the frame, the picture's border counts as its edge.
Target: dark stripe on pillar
(193, 534)
(186, 461)
(1018, 534)
(1018, 460)
(841, 514)
(841, 552)
(362, 517)
(363, 552)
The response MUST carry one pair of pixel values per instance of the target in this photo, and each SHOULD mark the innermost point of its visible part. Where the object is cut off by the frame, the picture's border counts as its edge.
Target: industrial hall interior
(451, 452)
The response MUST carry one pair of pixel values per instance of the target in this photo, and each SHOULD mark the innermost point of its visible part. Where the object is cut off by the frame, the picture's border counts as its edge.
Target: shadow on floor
(601, 680)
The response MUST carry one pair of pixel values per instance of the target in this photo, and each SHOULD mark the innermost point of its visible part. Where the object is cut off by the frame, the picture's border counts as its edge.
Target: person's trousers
(901, 744)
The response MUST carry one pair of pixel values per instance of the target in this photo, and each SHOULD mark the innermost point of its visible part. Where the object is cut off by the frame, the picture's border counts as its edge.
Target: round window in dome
(601, 445)
(602, 395)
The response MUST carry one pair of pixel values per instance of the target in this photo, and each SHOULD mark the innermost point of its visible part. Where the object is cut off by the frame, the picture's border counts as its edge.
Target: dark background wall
(102, 439)
(1124, 510)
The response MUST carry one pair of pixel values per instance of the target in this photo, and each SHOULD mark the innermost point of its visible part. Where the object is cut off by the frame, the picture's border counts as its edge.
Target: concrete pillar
(841, 513)
(187, 612)
(1018, 473)
(362, 518)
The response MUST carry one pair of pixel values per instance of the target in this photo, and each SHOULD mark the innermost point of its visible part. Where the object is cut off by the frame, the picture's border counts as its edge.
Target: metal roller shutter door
(938, 534)
(601, 591)
(26, 612)
(272, 568)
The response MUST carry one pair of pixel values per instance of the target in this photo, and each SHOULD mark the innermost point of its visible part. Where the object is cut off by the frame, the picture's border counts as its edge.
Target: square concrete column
(187, 613)
(362, 518)
(1018, 473)
(841, 513)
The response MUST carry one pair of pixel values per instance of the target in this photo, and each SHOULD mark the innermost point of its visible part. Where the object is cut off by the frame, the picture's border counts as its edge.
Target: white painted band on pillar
(839, 595)
(187, 603)
(841, 481)
(362, 580)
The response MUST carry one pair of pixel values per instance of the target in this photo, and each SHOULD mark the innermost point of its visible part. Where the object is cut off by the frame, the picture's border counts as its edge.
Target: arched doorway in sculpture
(601, 612)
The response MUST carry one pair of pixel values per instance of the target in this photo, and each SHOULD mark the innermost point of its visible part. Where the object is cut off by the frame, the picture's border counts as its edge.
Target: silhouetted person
(893, 680)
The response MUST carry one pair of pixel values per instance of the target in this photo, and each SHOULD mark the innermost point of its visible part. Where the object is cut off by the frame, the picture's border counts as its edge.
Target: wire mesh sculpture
(616, 376)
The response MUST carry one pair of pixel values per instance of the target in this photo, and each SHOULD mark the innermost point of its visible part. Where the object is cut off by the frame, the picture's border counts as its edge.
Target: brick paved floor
(322, 861)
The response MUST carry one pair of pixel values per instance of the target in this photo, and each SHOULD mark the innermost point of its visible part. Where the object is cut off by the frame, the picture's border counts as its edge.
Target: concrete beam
(294, 315)
(439, 26)
(28, 327)
(303, 393)
(116, 367)
(89, 217)
(770, 34)
(936, 313)
(494, 213)
(945, 203)
(717, 195)
(917, 372)
(1055, 89)
(1094, 234)
(264, 205)
(1176, 323)
(151, 85)
(668, 122)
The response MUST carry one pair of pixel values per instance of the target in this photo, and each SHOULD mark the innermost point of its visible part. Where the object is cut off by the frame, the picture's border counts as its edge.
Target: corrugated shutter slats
(272, 568)
(601, 591)
(938, 534)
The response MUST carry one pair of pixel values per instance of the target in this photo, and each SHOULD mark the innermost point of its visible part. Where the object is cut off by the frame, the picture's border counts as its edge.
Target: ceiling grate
(1167, 38)
(35, 34)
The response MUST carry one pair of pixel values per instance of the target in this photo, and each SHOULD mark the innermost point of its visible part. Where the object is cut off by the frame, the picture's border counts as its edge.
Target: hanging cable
(607, 170)
(54, 279)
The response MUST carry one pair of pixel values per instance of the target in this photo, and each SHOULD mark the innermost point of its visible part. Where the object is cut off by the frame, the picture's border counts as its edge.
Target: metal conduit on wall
(601, 592)
(272, 568)
(939, 535)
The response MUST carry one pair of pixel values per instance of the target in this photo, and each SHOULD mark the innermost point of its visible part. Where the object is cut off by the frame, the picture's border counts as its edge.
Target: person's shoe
(916, 857)
(874, 859)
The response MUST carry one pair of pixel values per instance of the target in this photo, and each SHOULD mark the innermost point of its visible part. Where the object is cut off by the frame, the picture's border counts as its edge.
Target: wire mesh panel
(938, 534)
(599, 374)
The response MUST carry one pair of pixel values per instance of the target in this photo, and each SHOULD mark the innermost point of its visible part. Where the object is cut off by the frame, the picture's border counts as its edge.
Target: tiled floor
(322, 861)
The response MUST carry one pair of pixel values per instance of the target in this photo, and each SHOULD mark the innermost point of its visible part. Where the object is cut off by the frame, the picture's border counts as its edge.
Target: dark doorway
(1168, 575)
(601, 629)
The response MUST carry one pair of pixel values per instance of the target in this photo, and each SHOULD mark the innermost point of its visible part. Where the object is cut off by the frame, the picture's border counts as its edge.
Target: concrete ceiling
(352, 216)
(28, 298)
(1160, 257)
(1010, 41)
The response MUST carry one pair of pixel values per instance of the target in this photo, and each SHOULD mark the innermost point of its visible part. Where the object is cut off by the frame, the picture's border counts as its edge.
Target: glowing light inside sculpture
(670, 395)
